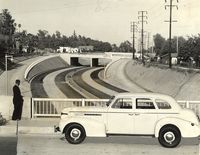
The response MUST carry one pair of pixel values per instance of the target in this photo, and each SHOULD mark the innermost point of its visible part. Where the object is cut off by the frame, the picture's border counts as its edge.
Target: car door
(145, 116)
(120, 117)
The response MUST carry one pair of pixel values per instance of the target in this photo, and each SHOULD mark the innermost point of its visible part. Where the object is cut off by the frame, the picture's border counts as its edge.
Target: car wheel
(169, 136)
(75, 134)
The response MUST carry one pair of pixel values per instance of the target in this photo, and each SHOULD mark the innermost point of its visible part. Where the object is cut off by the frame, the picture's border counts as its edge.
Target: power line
(170, 28)
(148, 37)
(142, 17)
(155, 6)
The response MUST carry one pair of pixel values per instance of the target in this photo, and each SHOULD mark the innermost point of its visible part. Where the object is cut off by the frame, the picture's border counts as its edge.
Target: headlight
(64, 115)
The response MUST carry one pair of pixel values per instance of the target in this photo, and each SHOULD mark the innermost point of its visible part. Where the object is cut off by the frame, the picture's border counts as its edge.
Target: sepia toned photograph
(104, 77)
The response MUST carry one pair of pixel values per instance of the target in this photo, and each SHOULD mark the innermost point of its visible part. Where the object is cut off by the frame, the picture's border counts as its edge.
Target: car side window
(144, 103)
(162, 104)
(123, 103)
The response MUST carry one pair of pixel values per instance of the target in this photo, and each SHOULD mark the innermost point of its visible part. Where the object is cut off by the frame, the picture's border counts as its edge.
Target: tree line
(187, 48)
(13, 39)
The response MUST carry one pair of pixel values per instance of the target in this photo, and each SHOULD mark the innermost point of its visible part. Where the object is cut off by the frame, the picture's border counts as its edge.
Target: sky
(106, 20)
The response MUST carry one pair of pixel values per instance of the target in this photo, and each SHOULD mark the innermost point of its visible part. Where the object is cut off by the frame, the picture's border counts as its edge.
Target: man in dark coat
(17, 101)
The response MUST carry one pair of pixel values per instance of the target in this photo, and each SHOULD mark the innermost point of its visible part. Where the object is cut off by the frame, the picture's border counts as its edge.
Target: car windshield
(110, 100)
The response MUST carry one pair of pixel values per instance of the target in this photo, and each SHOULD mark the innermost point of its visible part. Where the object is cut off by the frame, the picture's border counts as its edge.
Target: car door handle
(130, 114)
(137, 114)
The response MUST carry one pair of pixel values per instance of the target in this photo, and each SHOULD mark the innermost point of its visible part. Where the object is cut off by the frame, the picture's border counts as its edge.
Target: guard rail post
(187, 104)
(83, 102)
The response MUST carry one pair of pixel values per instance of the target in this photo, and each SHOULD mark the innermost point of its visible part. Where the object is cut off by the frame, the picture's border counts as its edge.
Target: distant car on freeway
(149, 114)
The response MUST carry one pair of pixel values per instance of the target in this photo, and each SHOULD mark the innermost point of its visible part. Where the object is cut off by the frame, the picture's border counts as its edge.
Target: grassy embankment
(181, 84)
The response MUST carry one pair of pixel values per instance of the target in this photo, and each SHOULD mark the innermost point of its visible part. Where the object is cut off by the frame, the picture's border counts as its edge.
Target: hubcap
(75, 133)
(169, 137)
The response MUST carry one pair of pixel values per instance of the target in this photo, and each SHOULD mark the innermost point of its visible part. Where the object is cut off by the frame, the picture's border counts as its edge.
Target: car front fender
(93, 128)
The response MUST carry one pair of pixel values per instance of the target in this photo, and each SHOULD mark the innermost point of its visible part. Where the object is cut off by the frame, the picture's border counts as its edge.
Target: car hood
(84, 109)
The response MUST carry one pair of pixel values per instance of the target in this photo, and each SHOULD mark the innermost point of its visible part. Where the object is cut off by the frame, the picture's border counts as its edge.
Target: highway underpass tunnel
(74, 61)
(94, 62)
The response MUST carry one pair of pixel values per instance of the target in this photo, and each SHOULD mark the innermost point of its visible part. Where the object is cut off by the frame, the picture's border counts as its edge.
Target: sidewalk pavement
(33, 126)
(12, 75)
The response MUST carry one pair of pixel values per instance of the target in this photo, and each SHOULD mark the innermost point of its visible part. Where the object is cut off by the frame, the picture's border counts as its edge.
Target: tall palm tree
(19, 26)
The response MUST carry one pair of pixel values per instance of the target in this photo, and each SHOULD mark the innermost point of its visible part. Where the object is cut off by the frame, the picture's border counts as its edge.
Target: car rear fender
(187, 128)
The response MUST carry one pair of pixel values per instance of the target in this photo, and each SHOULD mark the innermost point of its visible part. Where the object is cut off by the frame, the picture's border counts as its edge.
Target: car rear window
(144, 103)
(162, 104)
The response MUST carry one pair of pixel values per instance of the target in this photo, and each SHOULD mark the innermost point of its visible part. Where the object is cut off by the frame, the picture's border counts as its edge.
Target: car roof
(145, 94)
(168, 98)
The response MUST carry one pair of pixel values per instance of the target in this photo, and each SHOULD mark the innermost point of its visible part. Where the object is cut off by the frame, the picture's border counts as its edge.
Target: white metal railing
(48, 107)
(194, 105)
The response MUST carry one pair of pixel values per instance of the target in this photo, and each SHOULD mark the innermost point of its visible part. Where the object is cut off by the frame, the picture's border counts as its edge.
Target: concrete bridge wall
(74, 61)
(6, 106)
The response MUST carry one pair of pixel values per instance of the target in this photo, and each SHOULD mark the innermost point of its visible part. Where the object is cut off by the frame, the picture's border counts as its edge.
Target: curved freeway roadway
(64, 84)
(74, 82)
(85, 82)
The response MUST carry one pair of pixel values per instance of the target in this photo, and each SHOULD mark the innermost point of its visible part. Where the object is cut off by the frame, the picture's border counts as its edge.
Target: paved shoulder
(118, 78)
(50, 86)
(86, 76)
(16, 73)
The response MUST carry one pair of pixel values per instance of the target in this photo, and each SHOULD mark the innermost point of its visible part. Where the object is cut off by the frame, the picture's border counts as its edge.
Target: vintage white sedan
(149, 114)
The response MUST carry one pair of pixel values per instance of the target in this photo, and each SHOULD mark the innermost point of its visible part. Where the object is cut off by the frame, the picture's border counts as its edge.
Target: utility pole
(152, 47)
(133, 29)
(170, 28)
(142, 15)
(144, 40)
(148, 37)
(177, 45)
(139, 47)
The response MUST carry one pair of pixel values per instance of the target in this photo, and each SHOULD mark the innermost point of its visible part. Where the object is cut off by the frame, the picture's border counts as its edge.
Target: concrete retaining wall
(107, 67)
(44, 65)
(66, 58)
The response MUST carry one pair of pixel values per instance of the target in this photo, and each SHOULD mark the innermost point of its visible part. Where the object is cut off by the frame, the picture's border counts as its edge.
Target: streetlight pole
(6, 69)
